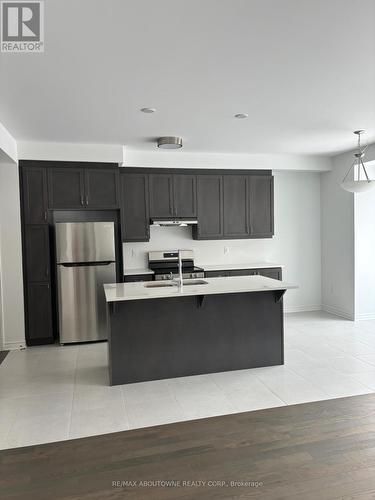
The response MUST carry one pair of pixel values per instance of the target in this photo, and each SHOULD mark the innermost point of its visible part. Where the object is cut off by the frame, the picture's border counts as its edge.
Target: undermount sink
(194, 282)
(158, 285)
(169, 284)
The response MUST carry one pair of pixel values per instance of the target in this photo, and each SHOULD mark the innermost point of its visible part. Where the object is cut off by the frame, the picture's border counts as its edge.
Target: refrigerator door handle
(86, 264)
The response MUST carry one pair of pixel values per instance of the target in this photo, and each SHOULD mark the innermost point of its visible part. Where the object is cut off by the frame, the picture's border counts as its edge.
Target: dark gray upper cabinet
(236, 206)
(66, 187)
(210, 207)
(101, 188)
(83, 187)
(37, 252)
(135, 215)
(261, 206)
(161, 195)
(185, 195)
(35, 197)
(39, 314)
(173, 195)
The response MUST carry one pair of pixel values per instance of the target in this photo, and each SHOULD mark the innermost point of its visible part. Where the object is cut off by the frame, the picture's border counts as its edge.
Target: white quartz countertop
(134, 272)
(137, 291)
(232, 266)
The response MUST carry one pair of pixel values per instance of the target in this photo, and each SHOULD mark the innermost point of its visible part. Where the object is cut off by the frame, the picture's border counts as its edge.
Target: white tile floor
(56, 393)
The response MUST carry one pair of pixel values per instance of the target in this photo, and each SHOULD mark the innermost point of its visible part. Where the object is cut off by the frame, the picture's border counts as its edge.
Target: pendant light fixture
(357, 185)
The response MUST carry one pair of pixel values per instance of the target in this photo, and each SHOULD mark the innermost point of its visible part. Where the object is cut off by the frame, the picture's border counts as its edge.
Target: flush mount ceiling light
(148, 110)
(169, 142)
(357, 185)
(241, 115)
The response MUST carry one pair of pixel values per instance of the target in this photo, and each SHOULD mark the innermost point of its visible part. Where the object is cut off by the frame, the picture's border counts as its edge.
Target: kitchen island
(158, 330)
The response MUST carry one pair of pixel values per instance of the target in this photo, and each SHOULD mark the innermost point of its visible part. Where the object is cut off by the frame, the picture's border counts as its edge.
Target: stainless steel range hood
(173, 222)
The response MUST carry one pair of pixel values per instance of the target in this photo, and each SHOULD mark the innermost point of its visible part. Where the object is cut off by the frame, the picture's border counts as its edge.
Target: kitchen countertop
(232, 266)
(214, 267)
(136, 291)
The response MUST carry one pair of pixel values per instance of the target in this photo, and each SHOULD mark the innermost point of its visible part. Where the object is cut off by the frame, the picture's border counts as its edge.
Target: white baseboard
(297, 309)
(338, 312)
(364, 316)
(13, 346)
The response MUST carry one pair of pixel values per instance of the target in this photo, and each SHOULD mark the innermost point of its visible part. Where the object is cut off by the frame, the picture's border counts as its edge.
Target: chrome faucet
(180, 269)
(178, 281)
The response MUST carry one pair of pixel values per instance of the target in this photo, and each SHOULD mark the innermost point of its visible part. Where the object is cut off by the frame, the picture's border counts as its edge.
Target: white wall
(364, 232)
(182, 159)
(8, 145)
(66, 151)
(338, 238)
(12, 314)
(296, 243)
(337, 211)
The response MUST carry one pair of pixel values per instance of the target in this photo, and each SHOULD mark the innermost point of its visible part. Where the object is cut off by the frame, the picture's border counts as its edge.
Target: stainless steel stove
(165, 264)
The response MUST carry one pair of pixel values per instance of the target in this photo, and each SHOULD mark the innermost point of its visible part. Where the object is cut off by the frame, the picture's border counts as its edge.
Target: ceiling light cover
(170, 142)
(358, 185)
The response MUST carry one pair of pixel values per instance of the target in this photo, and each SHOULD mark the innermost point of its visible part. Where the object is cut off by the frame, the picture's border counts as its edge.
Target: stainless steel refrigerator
(85, 256)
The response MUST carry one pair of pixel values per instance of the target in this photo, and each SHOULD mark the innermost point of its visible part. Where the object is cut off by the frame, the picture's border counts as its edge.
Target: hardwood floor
(322, 450)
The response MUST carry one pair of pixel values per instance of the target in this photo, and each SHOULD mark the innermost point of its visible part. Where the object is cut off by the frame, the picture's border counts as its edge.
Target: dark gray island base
(170, 337)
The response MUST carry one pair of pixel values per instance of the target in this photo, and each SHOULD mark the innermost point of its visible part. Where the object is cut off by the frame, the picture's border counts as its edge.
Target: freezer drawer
(85, 241)
(82, 306)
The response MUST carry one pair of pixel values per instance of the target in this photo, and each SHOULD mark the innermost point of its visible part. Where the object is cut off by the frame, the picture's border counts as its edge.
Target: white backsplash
(205, 252)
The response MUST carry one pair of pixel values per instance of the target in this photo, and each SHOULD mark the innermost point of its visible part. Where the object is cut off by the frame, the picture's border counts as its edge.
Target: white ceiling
(304, 70)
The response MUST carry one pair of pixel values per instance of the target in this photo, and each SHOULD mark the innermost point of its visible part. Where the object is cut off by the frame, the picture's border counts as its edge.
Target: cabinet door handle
(82, 200)
(47, 272)
(87, 200)
(45, 215)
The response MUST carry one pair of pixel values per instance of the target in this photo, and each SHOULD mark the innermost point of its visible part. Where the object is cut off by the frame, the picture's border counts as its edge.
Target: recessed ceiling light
(241, 115)
(148, 110)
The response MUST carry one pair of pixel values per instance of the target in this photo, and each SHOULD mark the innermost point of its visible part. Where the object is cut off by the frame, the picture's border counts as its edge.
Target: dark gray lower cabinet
(274, 273)
(39, 314)
(134, 278)
(135, 214)
(268, 272)
(210, 207)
